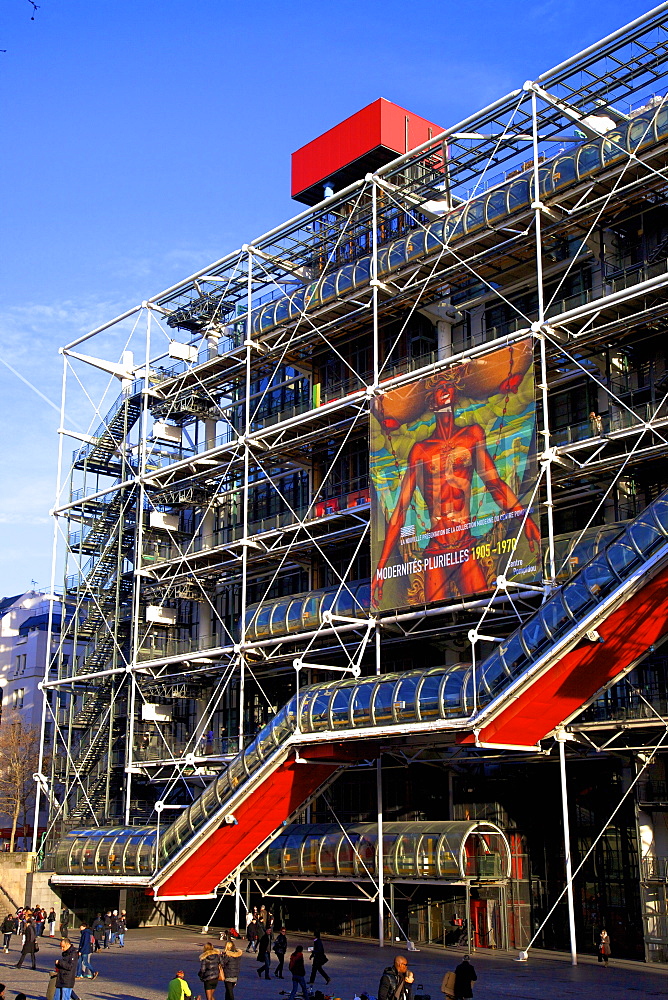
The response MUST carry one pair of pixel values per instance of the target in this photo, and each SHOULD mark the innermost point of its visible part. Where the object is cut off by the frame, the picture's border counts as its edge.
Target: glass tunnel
(304, 612)
(451, 851)
(571, 165)
(445, 693)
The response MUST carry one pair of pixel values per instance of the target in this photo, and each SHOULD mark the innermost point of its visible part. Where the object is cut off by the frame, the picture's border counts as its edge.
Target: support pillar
(380, 873)
(561, 740)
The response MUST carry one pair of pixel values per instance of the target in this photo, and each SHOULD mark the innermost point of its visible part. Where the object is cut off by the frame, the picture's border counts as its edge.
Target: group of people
(29, 923)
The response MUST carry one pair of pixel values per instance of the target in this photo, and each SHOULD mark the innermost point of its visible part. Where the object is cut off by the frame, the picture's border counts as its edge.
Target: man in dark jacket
(396, 983)
(318, 959)
(464, 976)
(86, 946)
(280, 947)
(264, 955)
(29, 939)
(66, 970)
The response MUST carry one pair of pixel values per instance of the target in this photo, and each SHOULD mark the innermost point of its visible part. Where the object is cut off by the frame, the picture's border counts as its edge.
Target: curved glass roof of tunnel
(408, 698)
(450, 851)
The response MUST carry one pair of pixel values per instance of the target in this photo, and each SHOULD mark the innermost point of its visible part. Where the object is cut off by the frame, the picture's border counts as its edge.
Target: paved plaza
(142, 970)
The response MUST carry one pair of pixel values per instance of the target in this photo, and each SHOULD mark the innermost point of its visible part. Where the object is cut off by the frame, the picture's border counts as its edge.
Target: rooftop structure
(307, 533)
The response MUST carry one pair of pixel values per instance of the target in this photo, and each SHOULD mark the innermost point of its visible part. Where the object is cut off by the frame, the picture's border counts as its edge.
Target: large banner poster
(453, 467)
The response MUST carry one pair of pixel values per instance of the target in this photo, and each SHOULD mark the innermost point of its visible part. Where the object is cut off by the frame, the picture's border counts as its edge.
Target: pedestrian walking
(604, 947)
(98, 931)
(122, 926)
(7, 931)
(66, 970)
(298, 973)
(252, 935)
(38, 916)
(231, 965)
(396, 982)
(86, 946)
(264, 955)
(65, 917)
(318, 958)
(108, 920)
(464, 978)
(280, 948)
(30, 945)
(178, 987)
(51, 921)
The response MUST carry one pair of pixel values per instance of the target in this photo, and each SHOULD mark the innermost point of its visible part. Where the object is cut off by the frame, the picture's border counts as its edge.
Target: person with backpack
(396, 983)
(298, 973)
(318, 958)
(280, 948)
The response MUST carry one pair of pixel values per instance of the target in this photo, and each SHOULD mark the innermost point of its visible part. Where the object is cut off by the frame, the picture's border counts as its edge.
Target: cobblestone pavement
(142, 970)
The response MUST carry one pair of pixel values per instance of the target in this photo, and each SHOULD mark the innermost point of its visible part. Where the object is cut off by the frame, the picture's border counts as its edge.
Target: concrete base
(15, 868)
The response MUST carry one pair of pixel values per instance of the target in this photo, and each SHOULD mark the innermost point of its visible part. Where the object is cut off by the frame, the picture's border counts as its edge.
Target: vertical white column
(237, 901)
(248, 343)
(380, 873)
(374, 281)
(561, 740)
(538, 329)
(139, 545)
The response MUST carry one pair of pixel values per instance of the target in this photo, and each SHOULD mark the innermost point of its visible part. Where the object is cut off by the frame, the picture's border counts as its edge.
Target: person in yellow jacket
(178, 988)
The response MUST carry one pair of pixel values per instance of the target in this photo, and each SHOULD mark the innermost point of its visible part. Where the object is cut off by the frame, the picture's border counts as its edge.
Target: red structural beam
(627, 634)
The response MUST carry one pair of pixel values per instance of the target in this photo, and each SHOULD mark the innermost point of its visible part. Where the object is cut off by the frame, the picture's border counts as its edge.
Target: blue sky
(143, 139)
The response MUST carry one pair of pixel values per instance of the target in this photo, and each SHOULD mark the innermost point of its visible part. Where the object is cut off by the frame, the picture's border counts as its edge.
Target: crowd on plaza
(218, 965)
(32, 923)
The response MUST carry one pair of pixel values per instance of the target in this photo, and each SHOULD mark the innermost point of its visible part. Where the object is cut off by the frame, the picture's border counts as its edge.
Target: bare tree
(19, 759)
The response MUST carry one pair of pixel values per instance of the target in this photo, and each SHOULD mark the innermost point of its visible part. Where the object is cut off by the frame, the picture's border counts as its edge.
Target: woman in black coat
(464, 977)
(209, 969)
(231, 964)
(29, 940)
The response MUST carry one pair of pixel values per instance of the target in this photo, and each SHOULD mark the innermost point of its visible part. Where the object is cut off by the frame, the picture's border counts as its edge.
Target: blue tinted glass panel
(563, 172)
(598, 577)
(555, 615)
(493, 673)
(589, 158)
(613, 146)
(320, 710)
(659, 512)
(475, 215)
(404, 698)
(362, 704)
(297, 302)
(344, 280)
(640, 133)
(576, 597)
(362, 271)
(282, 310)
(328, 288)
(429, 700)
(382, 704)
(518, 195)
(661, 121)
(545, 181)
(397, 254)
(344, 603)
(415, 244)
(645, 536)
(496, 205)
(341, 707)
(452, 691)
(277, 626)
(622, 558)
(513, 654)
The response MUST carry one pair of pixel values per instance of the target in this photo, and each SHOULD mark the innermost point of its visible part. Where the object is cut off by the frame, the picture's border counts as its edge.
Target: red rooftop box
(357, 146)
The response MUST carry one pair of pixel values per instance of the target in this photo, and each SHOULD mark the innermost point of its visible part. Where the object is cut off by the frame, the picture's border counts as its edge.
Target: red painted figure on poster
(442, 467)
